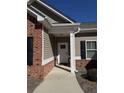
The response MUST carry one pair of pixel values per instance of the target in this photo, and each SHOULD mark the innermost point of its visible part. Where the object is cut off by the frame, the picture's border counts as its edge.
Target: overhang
(35, 15)
(40, 6)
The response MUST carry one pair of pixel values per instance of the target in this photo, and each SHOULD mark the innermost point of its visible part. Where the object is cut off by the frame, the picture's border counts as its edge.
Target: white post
(58, 58)
(72, 52)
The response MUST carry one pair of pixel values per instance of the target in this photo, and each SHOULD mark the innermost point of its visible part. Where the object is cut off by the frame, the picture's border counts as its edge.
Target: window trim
(89, 49)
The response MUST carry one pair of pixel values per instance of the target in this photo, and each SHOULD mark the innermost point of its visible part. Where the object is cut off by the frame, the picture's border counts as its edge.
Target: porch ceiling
(63, 29)
(61, 34)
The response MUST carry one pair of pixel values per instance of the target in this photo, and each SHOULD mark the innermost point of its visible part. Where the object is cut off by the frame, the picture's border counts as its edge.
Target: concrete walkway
(59, 81)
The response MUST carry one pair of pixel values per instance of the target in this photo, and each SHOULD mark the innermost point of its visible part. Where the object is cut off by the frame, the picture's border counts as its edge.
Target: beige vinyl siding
(79, 39)
(48, 45)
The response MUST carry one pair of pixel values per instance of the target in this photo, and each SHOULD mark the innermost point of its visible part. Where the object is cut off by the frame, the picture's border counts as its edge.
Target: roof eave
(53, 10)
(37, 16)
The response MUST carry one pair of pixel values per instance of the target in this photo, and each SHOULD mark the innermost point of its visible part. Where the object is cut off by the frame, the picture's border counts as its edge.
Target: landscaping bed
(87, 80)
(32, 83)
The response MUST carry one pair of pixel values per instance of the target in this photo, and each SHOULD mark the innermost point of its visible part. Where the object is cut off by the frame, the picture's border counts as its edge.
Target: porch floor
(59, 81)
(64, 67)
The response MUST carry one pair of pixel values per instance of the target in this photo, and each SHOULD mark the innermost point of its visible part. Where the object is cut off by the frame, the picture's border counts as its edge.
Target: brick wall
(34, 30)
(86, 63)
(81, 63)
(48, 67)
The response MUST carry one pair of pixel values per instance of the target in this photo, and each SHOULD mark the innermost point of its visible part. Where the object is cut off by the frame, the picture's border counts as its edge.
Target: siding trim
(77, 57)
(42, 44)
(46, 61)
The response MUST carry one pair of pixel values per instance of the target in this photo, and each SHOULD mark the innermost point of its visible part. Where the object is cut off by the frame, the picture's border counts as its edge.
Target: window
(29, 51)
(91, 50)
(88, 49)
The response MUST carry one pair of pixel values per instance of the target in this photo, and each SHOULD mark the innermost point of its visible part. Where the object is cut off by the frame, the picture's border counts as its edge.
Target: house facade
(54, 39)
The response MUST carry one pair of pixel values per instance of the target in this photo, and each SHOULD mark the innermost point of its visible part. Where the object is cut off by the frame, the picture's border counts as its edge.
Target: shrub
(92, 74)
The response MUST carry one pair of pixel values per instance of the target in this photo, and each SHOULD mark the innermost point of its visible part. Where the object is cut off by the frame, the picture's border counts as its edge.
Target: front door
(63, 52)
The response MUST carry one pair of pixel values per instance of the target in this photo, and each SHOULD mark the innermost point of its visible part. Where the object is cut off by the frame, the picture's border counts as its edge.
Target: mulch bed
(32, 83)
(86, 85)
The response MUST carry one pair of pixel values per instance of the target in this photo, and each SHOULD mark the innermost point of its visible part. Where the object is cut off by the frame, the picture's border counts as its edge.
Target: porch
(61, 38)
(62, 45)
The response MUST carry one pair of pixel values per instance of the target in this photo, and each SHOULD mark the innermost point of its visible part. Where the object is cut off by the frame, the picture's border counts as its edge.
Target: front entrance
(63, 53)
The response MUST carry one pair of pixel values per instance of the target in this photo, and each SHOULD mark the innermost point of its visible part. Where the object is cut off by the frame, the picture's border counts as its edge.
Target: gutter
(88, 29)
(85, 29)
(66, 24)
(78, 30)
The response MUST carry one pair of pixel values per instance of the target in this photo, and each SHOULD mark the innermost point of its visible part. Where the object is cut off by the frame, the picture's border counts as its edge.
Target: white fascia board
(31, 12)
(47, 24)
(37, 10)
(39, 18)
(54, 11)
(66, 24)
(30, 1)
(88, 29)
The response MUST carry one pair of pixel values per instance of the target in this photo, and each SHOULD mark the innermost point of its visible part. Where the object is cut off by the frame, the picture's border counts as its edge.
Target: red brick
(34, 29)
(81, 63)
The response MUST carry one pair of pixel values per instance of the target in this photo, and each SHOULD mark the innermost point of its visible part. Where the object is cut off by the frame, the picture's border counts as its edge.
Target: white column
(58, 58)
(72, 52)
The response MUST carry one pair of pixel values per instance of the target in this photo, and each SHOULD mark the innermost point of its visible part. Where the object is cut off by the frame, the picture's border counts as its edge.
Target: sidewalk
(59, 81)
